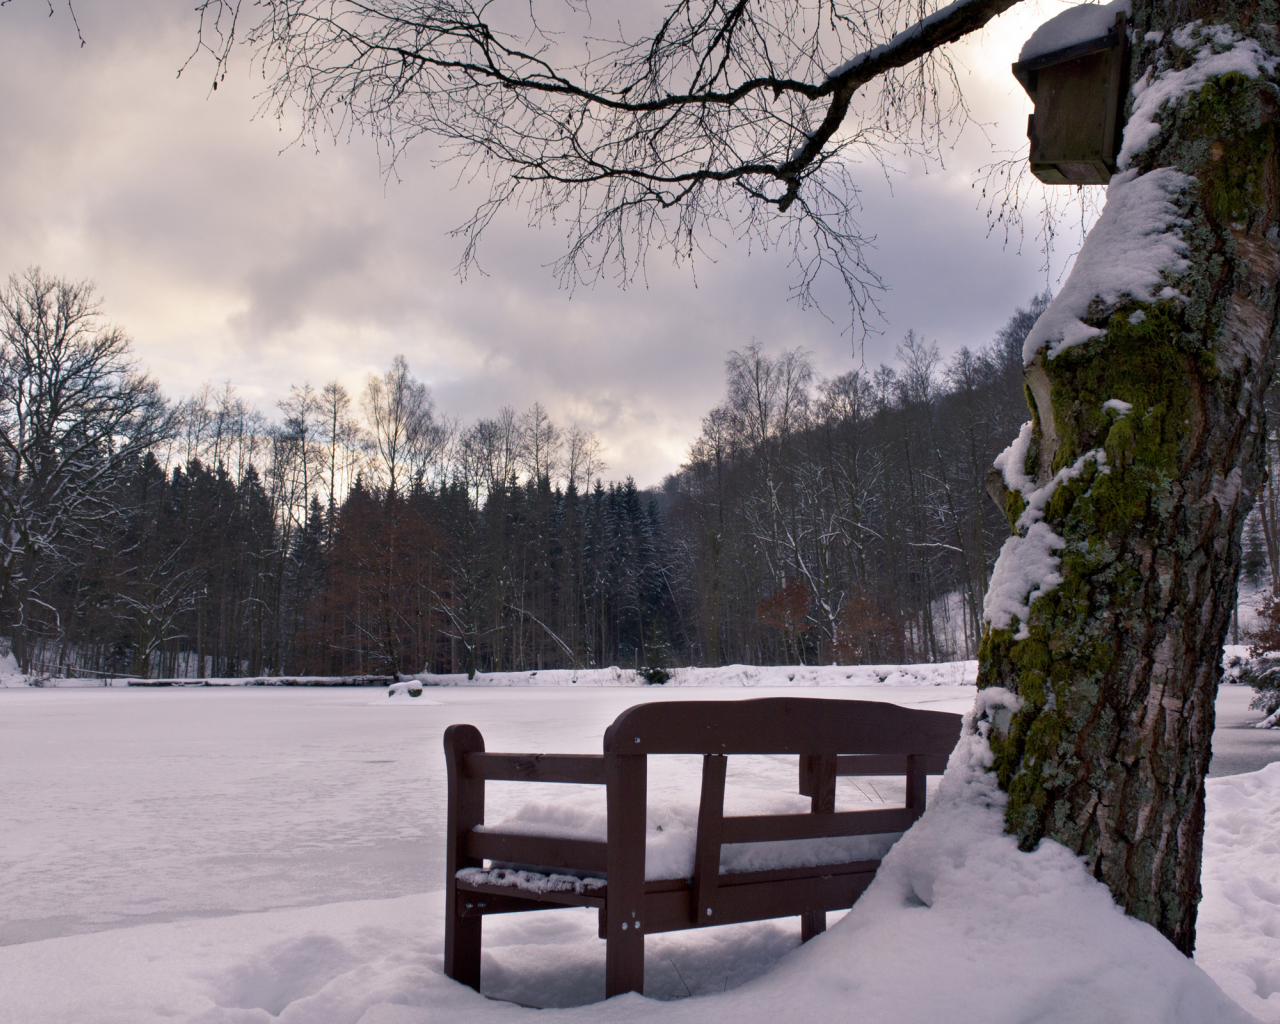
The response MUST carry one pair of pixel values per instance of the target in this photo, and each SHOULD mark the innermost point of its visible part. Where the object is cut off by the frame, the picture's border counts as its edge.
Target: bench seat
(671, 838)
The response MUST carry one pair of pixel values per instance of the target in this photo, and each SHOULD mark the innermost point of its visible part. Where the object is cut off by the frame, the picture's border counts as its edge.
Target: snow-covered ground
(231, 855)
(951, 673)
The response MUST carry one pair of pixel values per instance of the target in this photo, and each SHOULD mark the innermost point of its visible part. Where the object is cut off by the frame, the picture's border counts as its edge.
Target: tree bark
(1118, 665)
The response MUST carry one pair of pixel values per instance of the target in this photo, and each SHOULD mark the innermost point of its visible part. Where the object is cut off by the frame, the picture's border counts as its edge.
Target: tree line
(815, 520)
(847, 520)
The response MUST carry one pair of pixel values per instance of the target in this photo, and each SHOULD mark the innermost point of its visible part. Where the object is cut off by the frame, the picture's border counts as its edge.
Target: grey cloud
(230, 259)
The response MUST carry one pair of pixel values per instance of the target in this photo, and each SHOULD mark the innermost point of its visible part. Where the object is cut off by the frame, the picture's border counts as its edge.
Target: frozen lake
(126, 806)
(132, 805)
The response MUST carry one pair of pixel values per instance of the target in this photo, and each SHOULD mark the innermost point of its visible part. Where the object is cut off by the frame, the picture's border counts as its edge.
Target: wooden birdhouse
(1079, 93)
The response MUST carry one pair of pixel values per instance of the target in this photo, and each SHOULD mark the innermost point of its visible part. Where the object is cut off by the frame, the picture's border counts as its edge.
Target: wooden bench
(831, 737)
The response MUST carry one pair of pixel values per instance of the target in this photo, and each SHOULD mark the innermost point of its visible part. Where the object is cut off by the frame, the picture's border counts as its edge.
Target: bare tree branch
(731, 109)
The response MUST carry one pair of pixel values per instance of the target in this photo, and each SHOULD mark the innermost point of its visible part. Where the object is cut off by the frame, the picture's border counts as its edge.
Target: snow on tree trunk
(1127, 492)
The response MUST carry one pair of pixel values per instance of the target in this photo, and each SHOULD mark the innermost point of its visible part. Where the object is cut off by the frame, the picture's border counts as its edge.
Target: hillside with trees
(815, 520)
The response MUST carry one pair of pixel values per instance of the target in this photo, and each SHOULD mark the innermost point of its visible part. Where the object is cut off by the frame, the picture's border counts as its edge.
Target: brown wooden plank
(549, 852)
(765, 900)
(917, 784)
(585, 769)
(856, 867)
(870, 764)
(671, 910)
(462, 935)
(503, 899)
(820, 777)
(706, 860)
(822, 800)
(667, 885)
(625, 912)
(772, 875)
(781, 725)
(766, 828)
(885, 764)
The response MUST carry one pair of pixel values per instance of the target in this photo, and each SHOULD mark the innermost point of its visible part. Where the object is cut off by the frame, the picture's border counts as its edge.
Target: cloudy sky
(231, 257)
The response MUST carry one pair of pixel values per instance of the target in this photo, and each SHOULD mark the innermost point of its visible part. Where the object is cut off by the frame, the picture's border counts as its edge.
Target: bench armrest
(580, 768)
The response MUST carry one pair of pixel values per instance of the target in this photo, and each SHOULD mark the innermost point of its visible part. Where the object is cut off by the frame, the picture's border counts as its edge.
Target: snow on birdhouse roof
(1072, 26)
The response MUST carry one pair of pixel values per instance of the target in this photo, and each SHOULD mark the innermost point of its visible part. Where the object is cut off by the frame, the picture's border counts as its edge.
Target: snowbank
(1027, 567)
(1136, 241)
(10, 674)
(90, 682)
(406, 692)
(1239, 922)
(1079, 24)
(953, 673)
(1165, 87)
(957, 895)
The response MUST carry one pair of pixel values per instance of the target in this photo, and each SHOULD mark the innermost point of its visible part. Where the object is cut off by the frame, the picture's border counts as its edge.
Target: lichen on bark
(1120, 663)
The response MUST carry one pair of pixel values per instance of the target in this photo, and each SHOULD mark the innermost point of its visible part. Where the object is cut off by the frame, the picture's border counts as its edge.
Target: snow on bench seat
(530, 881)
(671, 835)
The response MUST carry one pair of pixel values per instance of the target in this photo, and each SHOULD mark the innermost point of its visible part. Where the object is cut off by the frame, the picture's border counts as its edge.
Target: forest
(815, 520)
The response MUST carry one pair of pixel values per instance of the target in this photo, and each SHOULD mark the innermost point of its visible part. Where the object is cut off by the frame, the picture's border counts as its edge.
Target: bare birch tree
(402, 423)
(74, 412)
(583, 458)
(341, 436)
(540, 442)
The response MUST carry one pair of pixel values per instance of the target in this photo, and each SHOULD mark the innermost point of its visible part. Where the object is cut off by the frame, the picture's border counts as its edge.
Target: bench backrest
(832, 737)
(781, 725)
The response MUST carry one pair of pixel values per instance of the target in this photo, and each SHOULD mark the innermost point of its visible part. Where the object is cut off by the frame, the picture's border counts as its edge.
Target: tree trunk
(22, 630)
(1117, 664)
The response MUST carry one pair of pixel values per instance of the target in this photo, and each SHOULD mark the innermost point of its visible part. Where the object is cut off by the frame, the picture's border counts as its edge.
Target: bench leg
(462, 947)
(466, 811)
(812, 923)
(818, 773)
(626, 777)
(623, 963)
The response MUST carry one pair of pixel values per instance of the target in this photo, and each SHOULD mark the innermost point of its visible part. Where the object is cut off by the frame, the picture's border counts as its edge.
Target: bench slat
(503, 899)
(597, 897)
(763, 900)
(585, 769)
(885, 764)
(853, 867)
(706, 860)
(780, 725)
(768, 828)
(540, 851)
(670, 909)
